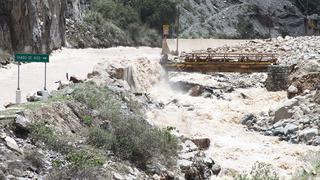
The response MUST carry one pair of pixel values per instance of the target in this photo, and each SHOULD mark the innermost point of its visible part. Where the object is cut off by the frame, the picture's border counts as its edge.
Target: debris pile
(297, 120)
(288, 50)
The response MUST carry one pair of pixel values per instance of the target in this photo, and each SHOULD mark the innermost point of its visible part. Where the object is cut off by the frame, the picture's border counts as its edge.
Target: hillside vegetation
(124, 22)
(138, 22)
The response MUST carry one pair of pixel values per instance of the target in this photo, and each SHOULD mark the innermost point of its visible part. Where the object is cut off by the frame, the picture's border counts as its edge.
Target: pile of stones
(297, 120)
(288, 50)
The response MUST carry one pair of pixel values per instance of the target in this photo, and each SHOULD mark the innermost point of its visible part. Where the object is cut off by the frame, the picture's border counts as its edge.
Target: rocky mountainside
(32, 25)
(240, 19)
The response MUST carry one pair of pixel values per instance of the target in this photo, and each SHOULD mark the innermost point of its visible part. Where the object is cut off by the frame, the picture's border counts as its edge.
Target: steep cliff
(36, 26)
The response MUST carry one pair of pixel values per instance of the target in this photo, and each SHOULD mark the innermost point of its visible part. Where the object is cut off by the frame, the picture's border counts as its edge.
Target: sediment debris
(296, 120)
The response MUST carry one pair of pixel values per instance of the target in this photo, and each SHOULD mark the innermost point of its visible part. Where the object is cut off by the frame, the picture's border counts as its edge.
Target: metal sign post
(18, 92)
(45, 93)
(32, 58)
(45, 76)
(178, 29)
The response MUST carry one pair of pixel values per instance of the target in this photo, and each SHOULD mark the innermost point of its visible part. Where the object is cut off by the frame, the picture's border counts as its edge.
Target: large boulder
(249, 120)
(285, 111)
(306, 76)
(308, 134)
(10, 142)
(21, 122)
(202, 143)
(290, 128)
(292, 91)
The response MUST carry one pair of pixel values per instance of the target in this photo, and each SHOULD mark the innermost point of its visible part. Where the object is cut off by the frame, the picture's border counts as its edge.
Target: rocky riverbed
(296, 120)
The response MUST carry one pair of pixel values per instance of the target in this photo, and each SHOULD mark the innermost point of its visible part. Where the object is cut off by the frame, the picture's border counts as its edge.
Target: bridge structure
(220, 62)
(204, 62)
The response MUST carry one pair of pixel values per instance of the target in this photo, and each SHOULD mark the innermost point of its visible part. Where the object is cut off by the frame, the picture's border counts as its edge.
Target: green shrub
(87, 120)
(130, 137)
(99, 138)
(142, 35)
(85, 158)
(107, 8)
(245, 28)
(2, 177)
(137, 141)
(56, 164)
(99, 98)
(260, 171)
(156, 13)
(41, 132)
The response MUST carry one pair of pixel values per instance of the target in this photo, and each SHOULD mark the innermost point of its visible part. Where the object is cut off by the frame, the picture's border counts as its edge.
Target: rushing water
(234, 147)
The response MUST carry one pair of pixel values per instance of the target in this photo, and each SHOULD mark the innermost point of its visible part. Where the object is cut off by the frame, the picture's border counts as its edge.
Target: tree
(156, 13)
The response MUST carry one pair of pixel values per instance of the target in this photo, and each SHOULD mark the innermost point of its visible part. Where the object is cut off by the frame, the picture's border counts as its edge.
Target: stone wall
(277, 78)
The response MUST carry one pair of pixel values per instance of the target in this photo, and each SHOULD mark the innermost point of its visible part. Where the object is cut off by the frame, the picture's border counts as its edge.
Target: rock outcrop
(240, 19)
(76, 9)
(32, 26)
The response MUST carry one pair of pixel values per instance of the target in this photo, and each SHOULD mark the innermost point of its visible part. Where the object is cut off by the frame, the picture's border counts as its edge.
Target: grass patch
(41, 132)
(87, 120)
(99, 138)
(56, 96)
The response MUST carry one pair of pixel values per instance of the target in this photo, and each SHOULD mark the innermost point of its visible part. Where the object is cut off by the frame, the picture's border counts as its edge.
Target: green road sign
(32, 58)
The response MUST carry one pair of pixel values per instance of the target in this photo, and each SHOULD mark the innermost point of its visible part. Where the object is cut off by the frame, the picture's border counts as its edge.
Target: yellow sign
(165, 29)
